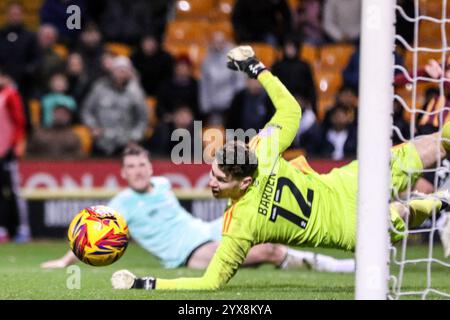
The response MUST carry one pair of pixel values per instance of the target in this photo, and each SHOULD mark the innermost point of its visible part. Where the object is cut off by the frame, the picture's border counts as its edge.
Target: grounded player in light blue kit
(159, 224)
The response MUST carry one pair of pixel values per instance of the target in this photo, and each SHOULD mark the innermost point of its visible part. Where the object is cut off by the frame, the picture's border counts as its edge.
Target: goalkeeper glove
(243, 58)
(124, 279)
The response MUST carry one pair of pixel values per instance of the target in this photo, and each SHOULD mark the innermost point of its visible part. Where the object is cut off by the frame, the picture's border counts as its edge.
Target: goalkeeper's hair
(133, 149)
(236, 159)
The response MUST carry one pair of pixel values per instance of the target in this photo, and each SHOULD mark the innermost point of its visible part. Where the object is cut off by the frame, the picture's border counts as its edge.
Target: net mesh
(420, 102)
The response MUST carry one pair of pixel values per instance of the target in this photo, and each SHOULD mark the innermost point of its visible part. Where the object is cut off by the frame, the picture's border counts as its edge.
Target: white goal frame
(374, 142)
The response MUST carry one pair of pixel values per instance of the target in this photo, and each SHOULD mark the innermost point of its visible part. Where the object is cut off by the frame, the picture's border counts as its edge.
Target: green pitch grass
(22, 278)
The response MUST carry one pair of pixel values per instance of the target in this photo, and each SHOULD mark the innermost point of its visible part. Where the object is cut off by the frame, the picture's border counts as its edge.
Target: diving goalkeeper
(272, 200)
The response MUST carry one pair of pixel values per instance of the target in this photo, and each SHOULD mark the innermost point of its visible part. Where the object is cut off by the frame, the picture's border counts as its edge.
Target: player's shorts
(406, 168)
(194, 236)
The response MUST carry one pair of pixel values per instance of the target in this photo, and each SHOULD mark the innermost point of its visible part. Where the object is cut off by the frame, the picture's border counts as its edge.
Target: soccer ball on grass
(98, 235)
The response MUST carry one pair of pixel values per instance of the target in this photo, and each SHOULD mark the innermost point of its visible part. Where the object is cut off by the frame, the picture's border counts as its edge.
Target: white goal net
(418, 264)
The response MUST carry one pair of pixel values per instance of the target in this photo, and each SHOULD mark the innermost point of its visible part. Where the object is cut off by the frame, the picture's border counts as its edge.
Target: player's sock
(318, 262)
(147, 283)
(345, 265)
(325, 263)
(422, 209)
(295, 259)
(399, 223)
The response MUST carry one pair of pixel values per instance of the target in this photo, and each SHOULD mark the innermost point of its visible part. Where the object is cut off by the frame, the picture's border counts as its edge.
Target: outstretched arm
(287, 110)
(280, 131)
(223, 266)
(68, 259)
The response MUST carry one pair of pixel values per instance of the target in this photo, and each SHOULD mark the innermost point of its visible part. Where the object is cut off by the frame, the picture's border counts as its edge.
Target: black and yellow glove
(243, 58)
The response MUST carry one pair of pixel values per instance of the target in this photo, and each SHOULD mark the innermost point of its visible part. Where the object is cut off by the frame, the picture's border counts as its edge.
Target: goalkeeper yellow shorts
(406, 167)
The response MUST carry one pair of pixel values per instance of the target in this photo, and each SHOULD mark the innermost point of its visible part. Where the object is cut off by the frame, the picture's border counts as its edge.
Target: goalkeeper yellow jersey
(287, 202)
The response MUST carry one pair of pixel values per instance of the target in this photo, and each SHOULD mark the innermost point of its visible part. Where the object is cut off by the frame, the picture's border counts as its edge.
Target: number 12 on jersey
(305, 205)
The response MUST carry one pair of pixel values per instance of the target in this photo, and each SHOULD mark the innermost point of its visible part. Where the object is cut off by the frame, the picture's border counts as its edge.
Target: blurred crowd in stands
(137, 70)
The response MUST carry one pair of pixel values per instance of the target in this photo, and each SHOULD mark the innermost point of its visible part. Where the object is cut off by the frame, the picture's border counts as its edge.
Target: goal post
(374, 142)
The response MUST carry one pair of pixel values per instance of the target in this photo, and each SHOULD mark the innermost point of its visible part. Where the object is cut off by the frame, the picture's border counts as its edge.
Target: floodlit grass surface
(22, 278)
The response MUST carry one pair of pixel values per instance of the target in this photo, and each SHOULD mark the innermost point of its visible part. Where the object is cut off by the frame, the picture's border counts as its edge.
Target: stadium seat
(293, 4)
(187, 31)
(3, 5)
(422, 58)
(225, 26)
(35, 112)
(430, 34)
(265, 52)
(406, 93)
(336, 56)
(223, 9)
(61, 50)
(152, 118)
(31, 5)
(119, 49)
(195, 52)
(327, 82)
(309, 54)
(151, 105)
(31, 20)
(84, 134)
(433, 8)
(447, 32)
(194, 9)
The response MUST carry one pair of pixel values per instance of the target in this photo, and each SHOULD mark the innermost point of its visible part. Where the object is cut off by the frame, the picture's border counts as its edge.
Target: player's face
(223, 186)
(137, 171)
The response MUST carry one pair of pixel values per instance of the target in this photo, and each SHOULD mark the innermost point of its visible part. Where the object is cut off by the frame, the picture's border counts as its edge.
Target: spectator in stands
(59, 140)
(115, 109)
(295, 73)
(262, 21)
(402, 131)
(77, 77)
(126, 21)
(404, 27)
(218, 84)
(54, 12)
(339, 137)
(91, 48)
(181, 88)
(51, 62)
(308, 23)
(350, 74)
(107, 61)
(13, 209)
(434, 103)
(161, 143)
(154, 64)
(309, 135)
(342, 19)
(19, 53)
(250, 108)
(55, 97)
(346, 97)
